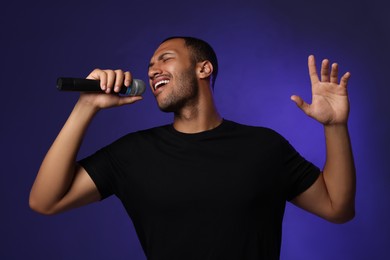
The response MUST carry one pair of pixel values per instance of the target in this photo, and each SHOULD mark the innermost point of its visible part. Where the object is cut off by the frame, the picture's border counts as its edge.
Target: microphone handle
(91, 85)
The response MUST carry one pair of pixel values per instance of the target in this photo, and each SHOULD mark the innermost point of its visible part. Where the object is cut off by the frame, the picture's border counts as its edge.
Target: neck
(198, 117)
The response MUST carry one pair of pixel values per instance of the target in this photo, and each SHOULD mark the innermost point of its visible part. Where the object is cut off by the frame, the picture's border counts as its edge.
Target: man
(203, 187)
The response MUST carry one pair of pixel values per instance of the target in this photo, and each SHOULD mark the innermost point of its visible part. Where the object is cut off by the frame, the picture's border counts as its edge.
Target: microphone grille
(136, 88)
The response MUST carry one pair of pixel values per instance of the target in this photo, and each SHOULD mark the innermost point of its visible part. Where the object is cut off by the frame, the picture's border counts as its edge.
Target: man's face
(172, 76)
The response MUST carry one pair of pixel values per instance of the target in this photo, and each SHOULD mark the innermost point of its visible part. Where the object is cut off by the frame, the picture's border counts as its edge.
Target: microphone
(136, 88)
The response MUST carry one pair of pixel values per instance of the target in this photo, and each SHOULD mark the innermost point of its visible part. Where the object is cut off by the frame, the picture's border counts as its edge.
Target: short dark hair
(201, 51)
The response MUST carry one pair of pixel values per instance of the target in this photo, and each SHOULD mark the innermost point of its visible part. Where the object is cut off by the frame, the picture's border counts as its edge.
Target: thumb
(300, 103)
(129, 100)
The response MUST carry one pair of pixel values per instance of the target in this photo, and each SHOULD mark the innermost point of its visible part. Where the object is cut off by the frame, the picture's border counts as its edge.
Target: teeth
(161, 83)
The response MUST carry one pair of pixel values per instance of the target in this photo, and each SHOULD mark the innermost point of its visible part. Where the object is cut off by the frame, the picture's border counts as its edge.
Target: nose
(154, 70)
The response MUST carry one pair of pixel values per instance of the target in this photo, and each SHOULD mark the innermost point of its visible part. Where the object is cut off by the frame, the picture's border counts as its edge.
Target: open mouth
(160, 83)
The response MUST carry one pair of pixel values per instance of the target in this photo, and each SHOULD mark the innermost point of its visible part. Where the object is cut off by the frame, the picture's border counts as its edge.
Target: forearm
(339, 170)
(57, 170)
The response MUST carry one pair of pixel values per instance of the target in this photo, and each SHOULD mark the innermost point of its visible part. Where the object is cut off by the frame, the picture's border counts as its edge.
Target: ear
(204, 69)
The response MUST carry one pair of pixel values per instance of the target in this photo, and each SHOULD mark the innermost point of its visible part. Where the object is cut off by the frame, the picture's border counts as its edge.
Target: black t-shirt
(219, 194)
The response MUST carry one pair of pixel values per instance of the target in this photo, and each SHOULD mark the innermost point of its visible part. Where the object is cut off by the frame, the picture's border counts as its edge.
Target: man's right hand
(110, 82)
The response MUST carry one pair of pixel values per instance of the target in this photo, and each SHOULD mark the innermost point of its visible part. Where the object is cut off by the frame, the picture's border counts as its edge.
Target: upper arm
(82, 191)
(316, 199)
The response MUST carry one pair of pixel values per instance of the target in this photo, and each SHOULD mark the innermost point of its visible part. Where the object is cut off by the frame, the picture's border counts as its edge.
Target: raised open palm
(330, 104)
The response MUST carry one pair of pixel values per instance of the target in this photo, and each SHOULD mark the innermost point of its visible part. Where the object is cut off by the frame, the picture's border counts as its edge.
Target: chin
(170, 107)
(167, 109)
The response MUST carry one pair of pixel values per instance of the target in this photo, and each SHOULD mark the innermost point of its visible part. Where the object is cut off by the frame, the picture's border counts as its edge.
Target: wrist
(336, 129)
(336, 125)
(85, 108)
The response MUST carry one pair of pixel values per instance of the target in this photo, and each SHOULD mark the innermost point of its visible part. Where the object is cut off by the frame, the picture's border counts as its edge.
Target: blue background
(262, 48)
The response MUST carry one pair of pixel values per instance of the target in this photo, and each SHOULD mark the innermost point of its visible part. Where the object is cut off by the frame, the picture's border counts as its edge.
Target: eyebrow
(161, 57)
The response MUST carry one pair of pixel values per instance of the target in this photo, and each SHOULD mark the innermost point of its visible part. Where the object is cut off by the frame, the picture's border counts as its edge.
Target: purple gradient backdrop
(262, 48)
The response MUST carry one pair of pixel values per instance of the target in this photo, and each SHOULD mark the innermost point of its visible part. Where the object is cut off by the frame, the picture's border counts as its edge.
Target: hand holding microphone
(104, 81)
(127, 89)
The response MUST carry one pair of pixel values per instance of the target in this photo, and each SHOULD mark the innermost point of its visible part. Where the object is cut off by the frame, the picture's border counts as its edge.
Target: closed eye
(166, 56)
(167, 59)
(163, 57)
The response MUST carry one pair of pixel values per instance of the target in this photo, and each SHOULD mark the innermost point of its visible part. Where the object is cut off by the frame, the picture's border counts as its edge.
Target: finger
(334, 73)
(94, 74)
(110, 80)
(312, 70)
(344, 79)
(325, 71)
(98, 74)
(119, 78)
(128, 78)
(300, 103)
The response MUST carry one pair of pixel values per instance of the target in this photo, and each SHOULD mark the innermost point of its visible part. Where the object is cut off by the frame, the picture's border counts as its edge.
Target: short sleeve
(100, 169)
(299, 174)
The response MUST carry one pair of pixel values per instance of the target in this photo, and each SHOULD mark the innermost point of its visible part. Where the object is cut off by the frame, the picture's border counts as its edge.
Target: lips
(160, 81)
